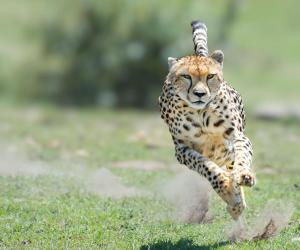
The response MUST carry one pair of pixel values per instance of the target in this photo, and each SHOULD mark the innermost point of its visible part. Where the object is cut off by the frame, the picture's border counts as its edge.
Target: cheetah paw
(246, 178)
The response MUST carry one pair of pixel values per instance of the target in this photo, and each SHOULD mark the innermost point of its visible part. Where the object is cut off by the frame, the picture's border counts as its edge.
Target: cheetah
(206, 120)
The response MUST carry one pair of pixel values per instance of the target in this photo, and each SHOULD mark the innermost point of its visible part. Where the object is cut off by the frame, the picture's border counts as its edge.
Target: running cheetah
(206, 119)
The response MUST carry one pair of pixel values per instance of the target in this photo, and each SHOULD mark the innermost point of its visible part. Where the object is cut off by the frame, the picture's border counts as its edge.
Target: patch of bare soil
(278, 111)
(14, 163)
(140, 165)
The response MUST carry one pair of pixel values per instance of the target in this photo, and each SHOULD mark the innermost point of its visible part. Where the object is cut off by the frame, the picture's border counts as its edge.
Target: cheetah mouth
(198, 102)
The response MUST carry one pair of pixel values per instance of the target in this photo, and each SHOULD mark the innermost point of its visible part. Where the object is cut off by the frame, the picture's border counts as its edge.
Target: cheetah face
(197, 79)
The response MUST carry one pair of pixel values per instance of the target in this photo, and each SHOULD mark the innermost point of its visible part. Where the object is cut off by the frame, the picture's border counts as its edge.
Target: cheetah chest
(205, 134)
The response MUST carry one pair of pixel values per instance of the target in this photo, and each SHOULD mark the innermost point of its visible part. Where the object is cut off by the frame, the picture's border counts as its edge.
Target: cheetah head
(196, 79)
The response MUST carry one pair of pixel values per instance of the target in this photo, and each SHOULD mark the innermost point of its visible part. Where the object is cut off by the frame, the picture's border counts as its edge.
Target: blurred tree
(112, 53)
(74, 58)
(227, 21)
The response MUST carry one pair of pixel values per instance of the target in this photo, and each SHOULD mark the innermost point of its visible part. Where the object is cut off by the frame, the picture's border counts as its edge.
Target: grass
(56, 211)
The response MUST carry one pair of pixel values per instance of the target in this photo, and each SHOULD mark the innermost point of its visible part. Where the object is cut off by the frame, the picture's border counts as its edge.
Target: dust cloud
(101, 182)
(274, 217)
(104, 183)
(189, 195)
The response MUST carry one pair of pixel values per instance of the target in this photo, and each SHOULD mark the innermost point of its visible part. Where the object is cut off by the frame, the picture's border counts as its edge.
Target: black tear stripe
(190, 86)
(207, 121)
(219, 123)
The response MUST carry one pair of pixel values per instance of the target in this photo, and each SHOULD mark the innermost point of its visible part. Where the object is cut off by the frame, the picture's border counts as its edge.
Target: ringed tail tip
(196, 24)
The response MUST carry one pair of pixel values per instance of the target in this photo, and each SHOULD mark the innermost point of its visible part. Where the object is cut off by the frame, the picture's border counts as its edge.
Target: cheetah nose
(198, 93)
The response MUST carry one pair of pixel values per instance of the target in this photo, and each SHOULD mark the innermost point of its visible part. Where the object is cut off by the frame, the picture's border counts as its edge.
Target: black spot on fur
(219, 123)
(229, 131)
(189, 119)
(196, 124)
(186, 127)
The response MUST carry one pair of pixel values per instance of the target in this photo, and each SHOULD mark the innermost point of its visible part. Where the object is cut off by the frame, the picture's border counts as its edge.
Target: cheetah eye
(188, 77)
(210, 76)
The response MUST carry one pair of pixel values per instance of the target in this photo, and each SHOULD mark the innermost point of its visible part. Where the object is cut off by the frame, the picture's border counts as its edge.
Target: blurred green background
(72, 76)
(114, 53)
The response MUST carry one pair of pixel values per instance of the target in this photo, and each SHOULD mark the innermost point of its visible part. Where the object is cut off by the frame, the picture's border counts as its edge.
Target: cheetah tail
(200, 38)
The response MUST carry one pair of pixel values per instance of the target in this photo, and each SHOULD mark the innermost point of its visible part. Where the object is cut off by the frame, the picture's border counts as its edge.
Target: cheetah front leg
(242, 162)
(222, 181)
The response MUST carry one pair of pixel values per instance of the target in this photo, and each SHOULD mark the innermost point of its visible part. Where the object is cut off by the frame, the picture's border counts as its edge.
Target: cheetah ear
(172, 61)
(218, 55)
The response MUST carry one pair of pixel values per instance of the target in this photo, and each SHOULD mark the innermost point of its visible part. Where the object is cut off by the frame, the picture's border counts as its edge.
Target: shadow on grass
(181, 244)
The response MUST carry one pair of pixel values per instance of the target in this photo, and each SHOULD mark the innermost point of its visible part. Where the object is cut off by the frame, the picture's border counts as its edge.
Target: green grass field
(55, 209)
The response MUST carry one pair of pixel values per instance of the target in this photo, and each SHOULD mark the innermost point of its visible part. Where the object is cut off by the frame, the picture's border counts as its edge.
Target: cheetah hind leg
(233, 194)
(237, 208)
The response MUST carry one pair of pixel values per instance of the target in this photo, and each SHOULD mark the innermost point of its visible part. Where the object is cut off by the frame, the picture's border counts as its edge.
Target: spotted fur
(206, 119)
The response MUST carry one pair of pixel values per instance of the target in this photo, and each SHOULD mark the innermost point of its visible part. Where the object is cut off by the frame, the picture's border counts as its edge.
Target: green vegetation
(115, 52)
(57, 211)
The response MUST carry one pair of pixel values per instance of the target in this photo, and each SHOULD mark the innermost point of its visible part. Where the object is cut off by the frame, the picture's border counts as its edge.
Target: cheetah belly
(215, 148)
